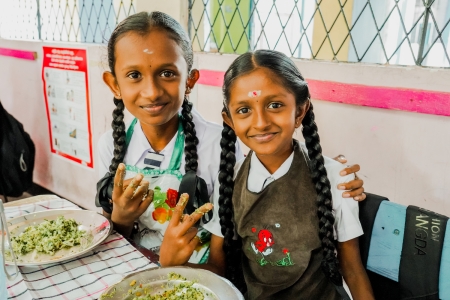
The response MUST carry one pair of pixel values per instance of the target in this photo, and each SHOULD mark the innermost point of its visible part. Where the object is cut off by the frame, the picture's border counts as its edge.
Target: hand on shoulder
(353, 188)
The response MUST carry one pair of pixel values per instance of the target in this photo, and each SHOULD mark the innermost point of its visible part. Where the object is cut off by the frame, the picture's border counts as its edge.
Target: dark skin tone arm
(181, 235)
(353, 189)
(131, 198)
(123, 230)
(353, 271)
(216, 259)
(122, 196)
(181, 239)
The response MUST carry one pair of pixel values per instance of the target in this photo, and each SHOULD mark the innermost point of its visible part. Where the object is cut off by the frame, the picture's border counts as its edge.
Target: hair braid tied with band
(232, 247)
(119, 135)
(330, 263)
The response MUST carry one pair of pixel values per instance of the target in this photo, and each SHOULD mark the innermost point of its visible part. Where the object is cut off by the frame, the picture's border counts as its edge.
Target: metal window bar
(401, 32)
(86, 21)
(376, 31)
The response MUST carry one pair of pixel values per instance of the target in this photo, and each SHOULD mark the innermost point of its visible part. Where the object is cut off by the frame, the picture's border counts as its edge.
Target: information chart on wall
(66, 93)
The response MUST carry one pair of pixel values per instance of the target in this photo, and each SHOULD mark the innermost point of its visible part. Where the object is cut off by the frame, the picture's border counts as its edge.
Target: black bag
(104, 192)
(16, 156)
(198, 194)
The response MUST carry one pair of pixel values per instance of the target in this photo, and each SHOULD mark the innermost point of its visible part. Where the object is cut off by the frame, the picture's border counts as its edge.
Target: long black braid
(190, 137)
(284, 71)
(119, 135)
(142, 23)
(232, 245)
(330, 263)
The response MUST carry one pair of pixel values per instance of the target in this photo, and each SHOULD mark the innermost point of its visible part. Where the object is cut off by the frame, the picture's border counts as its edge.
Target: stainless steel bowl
(97, 226)
(155, 280)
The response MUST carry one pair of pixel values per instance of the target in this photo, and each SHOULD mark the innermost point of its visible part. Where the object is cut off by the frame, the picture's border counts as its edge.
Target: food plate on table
(54, 236)
(172, 283)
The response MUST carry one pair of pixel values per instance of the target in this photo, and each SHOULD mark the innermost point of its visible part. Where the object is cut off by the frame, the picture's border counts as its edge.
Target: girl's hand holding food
(181, 238)
(129, 201)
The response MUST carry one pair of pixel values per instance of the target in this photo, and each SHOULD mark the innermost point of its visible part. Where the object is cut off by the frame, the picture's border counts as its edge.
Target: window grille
(87, 21)
(404, 32)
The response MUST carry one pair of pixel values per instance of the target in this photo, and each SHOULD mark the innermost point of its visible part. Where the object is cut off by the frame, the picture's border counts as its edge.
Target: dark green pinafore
(280, 235)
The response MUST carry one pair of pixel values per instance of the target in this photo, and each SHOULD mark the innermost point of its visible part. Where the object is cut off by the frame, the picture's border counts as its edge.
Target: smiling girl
(150, 59)
(279, 208)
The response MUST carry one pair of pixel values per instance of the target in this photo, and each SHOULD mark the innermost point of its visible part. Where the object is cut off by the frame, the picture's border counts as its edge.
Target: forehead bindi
(153, 49)
(257, 85)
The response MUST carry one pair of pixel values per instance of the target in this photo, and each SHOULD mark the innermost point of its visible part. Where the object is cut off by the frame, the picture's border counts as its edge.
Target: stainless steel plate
(97, 226)
(155, 280)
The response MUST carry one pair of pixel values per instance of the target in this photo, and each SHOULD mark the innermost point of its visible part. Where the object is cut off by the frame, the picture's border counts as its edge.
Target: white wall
(404, 156)
(21, 92)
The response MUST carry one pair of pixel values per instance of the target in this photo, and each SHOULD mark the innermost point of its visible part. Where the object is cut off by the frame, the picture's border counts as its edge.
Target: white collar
(139, 145)
(259, 177)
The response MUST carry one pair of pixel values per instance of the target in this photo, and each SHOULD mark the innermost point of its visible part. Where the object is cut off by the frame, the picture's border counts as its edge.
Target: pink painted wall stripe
(420, 101)
(213, 78)
(28, 55)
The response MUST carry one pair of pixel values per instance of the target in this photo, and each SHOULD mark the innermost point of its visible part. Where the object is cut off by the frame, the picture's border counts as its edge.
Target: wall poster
(66, 93)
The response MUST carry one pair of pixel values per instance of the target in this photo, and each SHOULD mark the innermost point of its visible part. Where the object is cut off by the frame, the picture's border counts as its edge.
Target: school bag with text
(17, 154)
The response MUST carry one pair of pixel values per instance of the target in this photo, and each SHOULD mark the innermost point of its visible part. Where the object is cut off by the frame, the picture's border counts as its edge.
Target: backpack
(198, 194)
(17, 153)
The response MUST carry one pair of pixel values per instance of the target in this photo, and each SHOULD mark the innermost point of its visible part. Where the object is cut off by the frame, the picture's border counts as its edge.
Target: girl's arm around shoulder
(216, 255)
(345, 210)
(353, 271)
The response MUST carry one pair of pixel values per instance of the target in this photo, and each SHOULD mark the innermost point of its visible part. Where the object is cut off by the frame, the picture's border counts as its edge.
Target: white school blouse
(208, 150)
(345, 210)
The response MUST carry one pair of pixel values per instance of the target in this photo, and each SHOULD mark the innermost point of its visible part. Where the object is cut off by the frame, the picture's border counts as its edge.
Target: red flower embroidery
(172, 196)
(253, 229)
(285, 251)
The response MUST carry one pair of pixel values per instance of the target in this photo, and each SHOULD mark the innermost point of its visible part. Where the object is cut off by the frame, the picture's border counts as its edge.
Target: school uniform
(276, 217)
(165, 180)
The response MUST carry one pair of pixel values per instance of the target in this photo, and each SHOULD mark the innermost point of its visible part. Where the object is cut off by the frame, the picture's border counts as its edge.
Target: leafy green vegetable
(184, 290)
(48, 237)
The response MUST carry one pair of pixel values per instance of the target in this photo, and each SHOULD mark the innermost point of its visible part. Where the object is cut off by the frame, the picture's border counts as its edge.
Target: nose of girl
(151, 90)
(260, 120)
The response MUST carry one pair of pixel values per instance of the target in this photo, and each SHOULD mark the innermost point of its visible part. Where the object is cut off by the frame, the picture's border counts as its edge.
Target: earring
(188, 90)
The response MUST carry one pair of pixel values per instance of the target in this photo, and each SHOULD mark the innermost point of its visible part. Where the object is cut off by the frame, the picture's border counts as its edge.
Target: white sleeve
(346, 210)
(213, 226)
(238, 153)
(105, 152)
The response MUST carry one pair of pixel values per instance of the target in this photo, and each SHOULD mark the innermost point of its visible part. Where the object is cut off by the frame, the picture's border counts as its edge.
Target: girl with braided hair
(150, 59)
(146, 162)
(279, 209)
